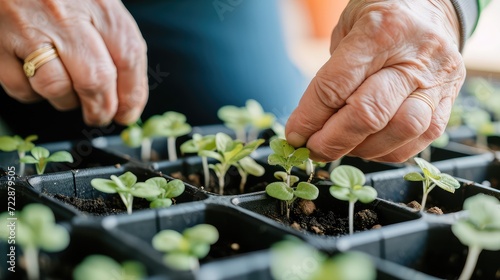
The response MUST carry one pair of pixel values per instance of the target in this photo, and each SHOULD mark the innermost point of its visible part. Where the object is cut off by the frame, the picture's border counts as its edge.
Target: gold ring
(38, 58)
(423, 97)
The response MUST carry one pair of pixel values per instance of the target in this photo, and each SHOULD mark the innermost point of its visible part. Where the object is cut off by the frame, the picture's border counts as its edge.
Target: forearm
(468, 12)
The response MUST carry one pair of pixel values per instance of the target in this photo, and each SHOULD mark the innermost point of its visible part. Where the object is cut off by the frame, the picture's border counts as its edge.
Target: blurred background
(308, 43)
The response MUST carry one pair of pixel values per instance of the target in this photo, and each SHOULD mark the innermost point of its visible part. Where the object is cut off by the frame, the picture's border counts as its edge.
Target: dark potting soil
(493, 173)
(100, 206)
(304, 216)
(232, 186)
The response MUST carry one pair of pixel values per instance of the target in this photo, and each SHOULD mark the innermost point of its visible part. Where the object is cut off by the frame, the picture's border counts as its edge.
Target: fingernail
(296, 139)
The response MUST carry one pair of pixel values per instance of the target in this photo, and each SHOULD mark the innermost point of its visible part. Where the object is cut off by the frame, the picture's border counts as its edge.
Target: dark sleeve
(468, 15)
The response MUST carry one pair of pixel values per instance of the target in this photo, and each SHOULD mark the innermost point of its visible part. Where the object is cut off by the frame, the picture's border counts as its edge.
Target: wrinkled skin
(381, 52)
(102, 63)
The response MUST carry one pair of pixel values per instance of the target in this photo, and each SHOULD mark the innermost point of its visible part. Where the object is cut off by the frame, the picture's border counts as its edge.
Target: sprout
(170, 124)
(295, 259)
(41, 156)
(349, 186)
(169, 190)
(251, 117)
(36, 230)
(101, 267)
(479, 230)
(197, 144)
(286, 156)
(228, 153)
(16, 143)
(183, 251)
(432, 178)
(125, 185)
(248, 166)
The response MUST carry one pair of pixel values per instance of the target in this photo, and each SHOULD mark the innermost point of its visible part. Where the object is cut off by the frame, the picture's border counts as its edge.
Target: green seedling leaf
(306, 191)
(100, 267)
(347, 266)
(340, 193)
(40, 152)
(8, 143)
(60, 156)
(104, 185)
(299, 157)
(279, 190)
(281, 147)
(144, 190)
(128, 179)
(13, 143)
(168, 240)
(365, 194)
(250, 166)
(275, 159)
(414, 177)
(198, 143)
(174, 188)
(224, 143)
(446, 182)
(161, 203)
(425, 165)
(347, 176)
(132, 136)
(259, 118)
(29, 159)
(200, 250)
(211, 154)
(202, 233)
(181, 261)
(281, 175)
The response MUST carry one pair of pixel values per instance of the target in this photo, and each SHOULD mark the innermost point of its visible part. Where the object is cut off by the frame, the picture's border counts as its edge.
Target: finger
(52, 82)
(411, 120)
(14, 80)
(92, 72)
(357, 57)
(128, 51)
(438, 125)
(367, 111)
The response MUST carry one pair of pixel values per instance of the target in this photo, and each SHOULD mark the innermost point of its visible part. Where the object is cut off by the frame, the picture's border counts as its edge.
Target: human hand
(102, 63)
(381, 52)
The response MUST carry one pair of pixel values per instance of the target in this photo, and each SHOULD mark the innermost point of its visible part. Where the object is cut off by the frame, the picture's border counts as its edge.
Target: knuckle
(328, 90)
(53, 87)
(132, 53)
(411, 125)
(96, 81)
(371, 116)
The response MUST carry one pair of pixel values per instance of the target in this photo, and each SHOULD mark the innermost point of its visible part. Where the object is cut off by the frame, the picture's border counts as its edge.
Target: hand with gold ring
(387, 90)
(87, 53)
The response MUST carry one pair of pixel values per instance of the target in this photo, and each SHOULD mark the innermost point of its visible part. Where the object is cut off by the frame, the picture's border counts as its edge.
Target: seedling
(16, 143)
(101, 267)
(183, 251)
(251, 117)
(125, 185)
(480, 229)
(248, 166)
(41, 157)
(480, 120)
(348, 185)
(169, 190)
(286, 156)
(200, 143)
(170, 124)
(295, 259)
(34, 230)
(431, 178)
(229, 153)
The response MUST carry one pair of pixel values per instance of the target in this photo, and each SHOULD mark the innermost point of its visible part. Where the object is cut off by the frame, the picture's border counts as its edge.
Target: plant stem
(470, 263)
(310, 169)
(206, 172)
(21, 164)
(288, 210)
(128, 200)
(424, 196)
(146, 149)
(31, 257)
(172, 152)
(221, 183)
(243, 181)
(351, 217)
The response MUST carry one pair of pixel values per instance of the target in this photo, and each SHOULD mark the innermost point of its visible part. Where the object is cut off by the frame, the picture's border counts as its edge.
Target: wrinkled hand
(102, 63)
(381, 52)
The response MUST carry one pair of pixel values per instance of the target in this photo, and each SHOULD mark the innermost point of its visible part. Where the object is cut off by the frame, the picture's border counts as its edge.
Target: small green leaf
(299, 156)
(29, 159)
(145, 190)
(128, 179)
(167, 240)
(104, 185)
(365, 194)
(340, 193)
(280, 191)
(8, 144)
(469, 235)
(53, 238)
(160, 182)
(181, 261)
(211, 154)
(223, 142)
(347, 176)
(60, 156)
(200, 250)
(281, 147)
(161, 203)
(423, 164)
(174, 188)
(202, 233)
(275, 159)
(250, 166)
(132, 136)
(414, 177)
(484, 211)
(307, 191)
(97, 267)
(446, 182)
(40, 152)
